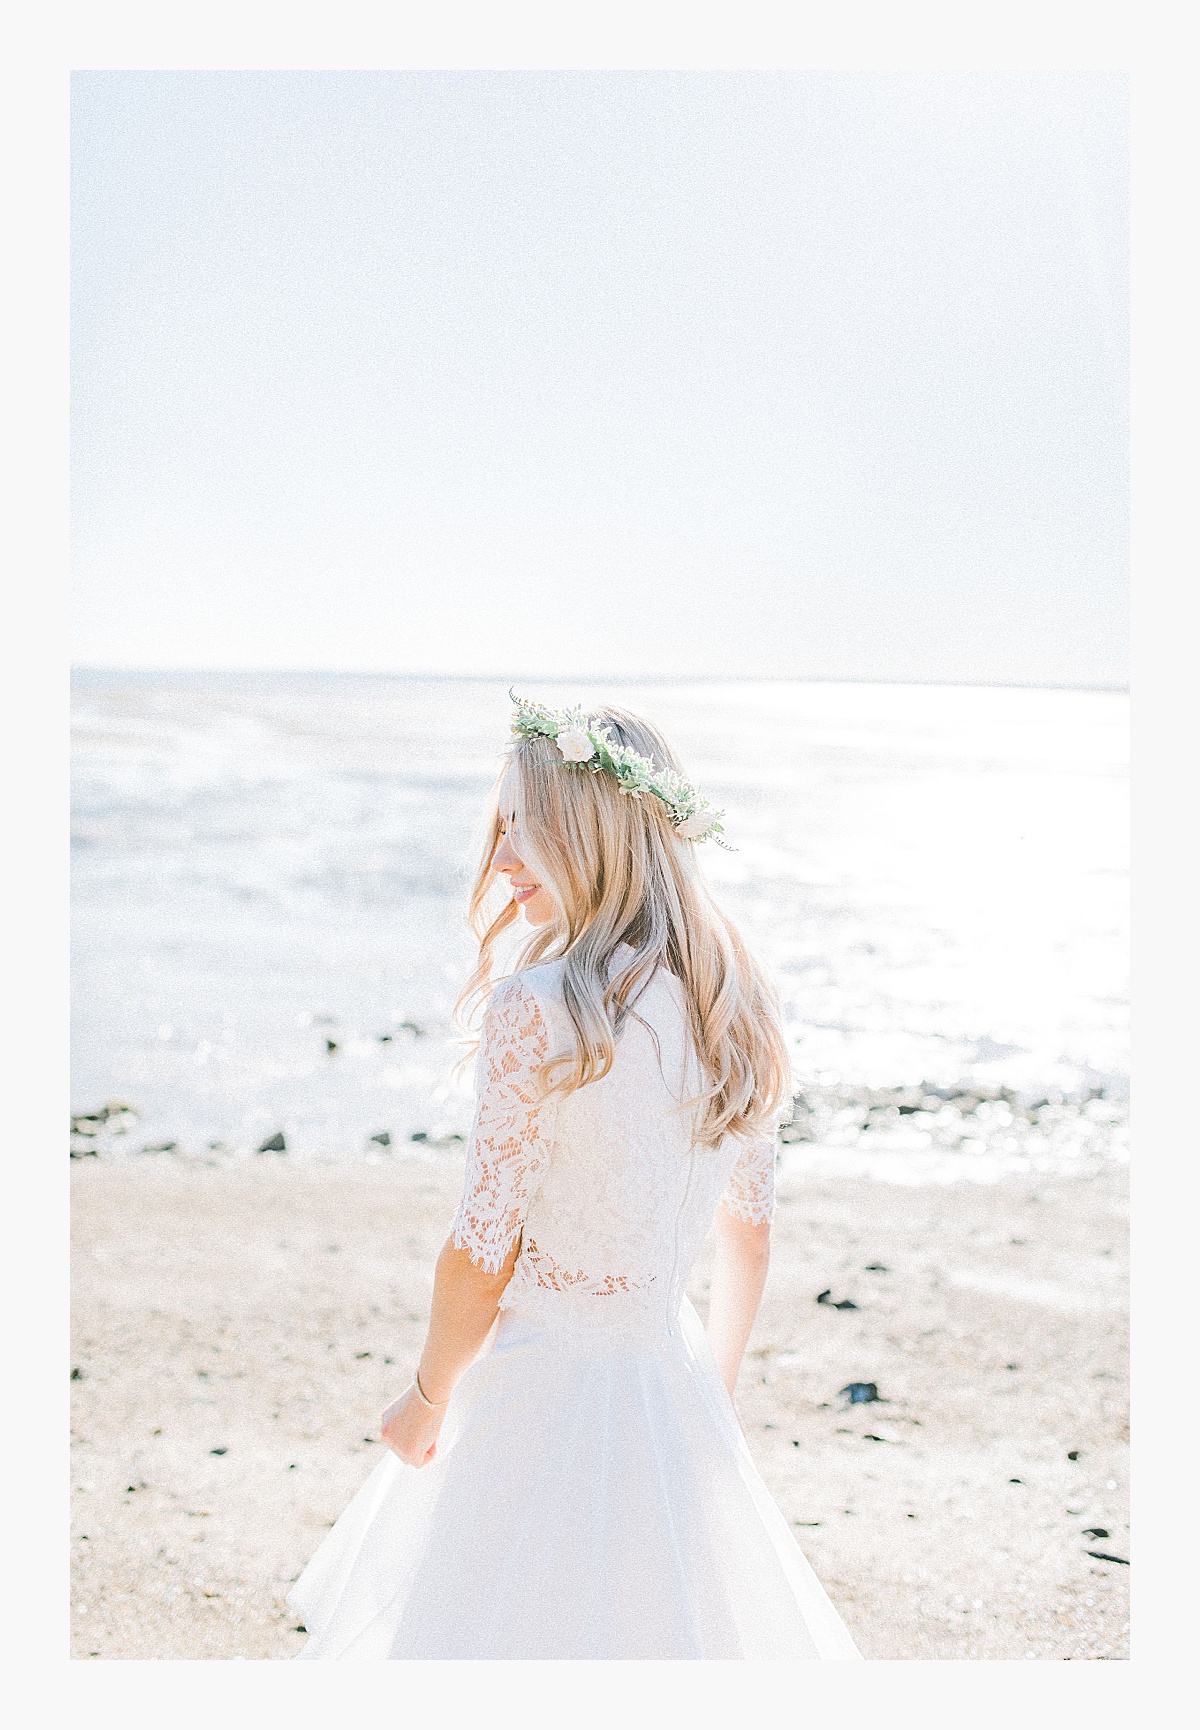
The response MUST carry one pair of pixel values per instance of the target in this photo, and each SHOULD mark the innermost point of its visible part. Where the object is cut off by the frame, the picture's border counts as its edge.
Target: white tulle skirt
(592, 1497)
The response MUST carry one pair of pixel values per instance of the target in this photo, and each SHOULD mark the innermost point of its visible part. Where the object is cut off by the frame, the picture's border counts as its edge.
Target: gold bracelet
(434, 1405)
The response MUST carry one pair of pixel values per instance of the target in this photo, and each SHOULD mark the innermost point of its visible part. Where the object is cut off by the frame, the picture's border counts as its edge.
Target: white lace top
(609, 1196)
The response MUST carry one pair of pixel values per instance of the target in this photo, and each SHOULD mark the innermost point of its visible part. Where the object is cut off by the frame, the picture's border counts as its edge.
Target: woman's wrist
(434, 1405)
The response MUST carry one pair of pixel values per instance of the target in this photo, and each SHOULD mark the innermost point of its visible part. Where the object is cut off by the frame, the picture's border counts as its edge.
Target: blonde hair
(617, 873)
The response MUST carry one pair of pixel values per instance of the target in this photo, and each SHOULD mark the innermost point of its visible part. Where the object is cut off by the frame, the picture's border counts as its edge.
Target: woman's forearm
(464, 1307)
(743, 1255)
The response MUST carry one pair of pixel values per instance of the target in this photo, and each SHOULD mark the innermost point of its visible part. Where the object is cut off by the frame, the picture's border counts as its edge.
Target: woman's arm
(465, 1304)
(507, 1152)
(743, 1255)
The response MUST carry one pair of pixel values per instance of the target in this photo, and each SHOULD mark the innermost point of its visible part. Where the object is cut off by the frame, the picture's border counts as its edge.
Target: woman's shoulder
(538, 986)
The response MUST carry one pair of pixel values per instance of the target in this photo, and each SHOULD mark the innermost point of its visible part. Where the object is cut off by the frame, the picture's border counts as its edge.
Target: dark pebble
(273, 1144)
(875, 1267)
(331, 1046)
(419, 1135)
(160, 1147)
(77, 1376)
(1094, 1532)
(218, 1450)
(1103, 1556)
(383, 1138)
(860, 1393)
(1074, 1452)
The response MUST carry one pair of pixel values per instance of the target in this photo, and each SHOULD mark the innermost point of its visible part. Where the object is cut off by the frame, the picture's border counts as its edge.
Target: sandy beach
(238, 1327)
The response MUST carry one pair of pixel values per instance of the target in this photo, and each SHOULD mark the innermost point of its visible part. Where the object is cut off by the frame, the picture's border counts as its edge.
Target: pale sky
(814, 374)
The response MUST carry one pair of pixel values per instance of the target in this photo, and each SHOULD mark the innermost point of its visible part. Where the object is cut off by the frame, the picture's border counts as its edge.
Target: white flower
(575, 745)
(695, 827)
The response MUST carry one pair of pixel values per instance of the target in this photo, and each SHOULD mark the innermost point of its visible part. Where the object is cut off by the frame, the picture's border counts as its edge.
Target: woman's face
(535, 901)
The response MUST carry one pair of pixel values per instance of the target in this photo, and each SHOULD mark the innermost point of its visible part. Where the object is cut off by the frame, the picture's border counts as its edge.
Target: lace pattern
(604, 1188)
(750, 1192)
(508, 1149)
(547, 1273)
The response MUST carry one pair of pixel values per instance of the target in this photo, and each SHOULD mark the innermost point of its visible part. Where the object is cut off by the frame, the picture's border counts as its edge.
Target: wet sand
(239, 1326)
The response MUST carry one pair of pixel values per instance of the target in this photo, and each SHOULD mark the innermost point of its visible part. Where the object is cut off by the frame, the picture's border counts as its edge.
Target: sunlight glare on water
(268, 865)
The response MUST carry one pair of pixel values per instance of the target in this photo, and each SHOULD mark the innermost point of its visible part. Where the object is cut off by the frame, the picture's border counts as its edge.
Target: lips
(525, 891)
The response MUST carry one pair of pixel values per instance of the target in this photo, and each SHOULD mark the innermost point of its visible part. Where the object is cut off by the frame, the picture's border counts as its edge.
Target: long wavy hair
(617, 873)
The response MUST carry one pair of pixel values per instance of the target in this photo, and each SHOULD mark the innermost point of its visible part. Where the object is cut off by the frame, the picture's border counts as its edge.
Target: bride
(567, 1475)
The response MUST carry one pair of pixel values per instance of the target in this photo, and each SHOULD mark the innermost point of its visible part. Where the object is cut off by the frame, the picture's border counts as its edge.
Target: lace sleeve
(750, 1192)
(508, 1148)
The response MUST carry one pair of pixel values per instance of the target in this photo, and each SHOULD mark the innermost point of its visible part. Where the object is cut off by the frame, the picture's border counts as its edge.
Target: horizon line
(607, 678)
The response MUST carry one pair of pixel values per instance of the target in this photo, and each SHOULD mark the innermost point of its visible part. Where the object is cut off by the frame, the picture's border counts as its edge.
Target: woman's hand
(410, 1428)
(464, 1309)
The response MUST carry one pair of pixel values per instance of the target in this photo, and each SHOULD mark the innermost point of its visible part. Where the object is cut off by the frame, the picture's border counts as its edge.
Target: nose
(504, 858)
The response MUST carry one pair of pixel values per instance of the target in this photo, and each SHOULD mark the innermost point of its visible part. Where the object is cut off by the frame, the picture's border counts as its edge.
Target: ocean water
(268, 866)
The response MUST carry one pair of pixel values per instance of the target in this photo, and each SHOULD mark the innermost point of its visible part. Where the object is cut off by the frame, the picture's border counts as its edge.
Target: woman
(567, 1475)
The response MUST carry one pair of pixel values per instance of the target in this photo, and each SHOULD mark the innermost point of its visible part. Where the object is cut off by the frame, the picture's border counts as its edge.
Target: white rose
(695, 827)
(575, 745)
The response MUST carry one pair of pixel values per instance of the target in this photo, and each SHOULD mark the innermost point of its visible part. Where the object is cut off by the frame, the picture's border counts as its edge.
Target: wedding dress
(592, 1495)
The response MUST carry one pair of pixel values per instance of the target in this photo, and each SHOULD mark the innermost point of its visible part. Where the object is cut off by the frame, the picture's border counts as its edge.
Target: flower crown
(582, 741)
